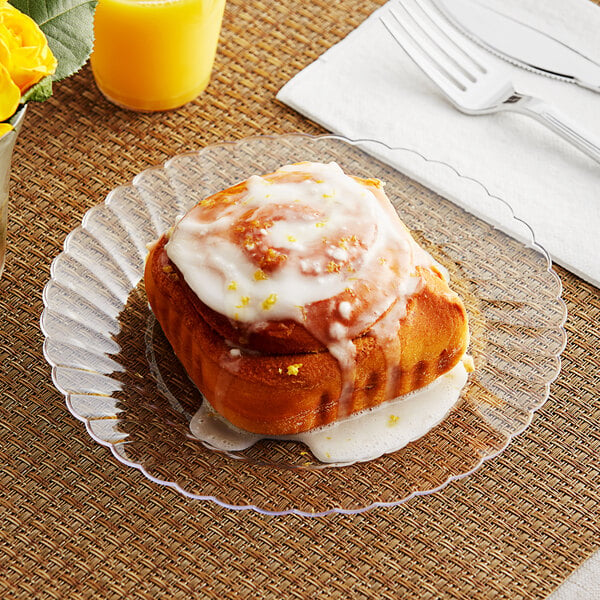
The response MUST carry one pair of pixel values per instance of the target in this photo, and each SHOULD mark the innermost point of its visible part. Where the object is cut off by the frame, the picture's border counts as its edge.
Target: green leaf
(69, 27)
(41, 91)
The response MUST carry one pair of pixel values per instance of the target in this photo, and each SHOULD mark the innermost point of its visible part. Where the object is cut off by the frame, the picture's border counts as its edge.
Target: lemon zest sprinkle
(294, 369)
(260, 275)
(269, 301)
(244, 300)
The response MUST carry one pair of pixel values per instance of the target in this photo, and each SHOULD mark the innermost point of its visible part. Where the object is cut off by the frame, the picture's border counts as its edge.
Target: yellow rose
(24, 49)
(5, 128)
(10, 94)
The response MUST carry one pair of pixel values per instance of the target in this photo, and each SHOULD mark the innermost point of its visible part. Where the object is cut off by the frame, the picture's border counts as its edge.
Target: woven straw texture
(77, 524)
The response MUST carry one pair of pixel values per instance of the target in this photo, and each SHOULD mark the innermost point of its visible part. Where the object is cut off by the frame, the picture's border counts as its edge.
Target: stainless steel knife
(521, 44)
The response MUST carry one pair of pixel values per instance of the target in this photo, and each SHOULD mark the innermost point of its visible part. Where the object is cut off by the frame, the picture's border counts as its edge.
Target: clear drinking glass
(152, 55)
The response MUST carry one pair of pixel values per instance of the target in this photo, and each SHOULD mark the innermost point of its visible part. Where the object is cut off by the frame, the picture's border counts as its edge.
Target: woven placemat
(77, 524)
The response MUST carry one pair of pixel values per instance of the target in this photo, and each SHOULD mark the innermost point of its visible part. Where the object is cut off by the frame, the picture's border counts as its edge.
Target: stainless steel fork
(464, 75)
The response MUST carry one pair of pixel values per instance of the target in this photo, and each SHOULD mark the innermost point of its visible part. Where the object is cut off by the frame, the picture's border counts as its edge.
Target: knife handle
(556, 121)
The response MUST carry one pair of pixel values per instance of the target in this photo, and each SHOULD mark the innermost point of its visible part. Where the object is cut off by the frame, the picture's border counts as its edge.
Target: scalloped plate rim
(335, 510)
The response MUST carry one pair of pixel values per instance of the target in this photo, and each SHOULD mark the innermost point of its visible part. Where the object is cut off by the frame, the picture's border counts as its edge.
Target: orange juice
(155, 54)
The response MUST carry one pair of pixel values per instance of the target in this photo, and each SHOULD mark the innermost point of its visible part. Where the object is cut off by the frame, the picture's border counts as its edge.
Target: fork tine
(453, 39)
(449, 84)
(428, 26)
(435, 45)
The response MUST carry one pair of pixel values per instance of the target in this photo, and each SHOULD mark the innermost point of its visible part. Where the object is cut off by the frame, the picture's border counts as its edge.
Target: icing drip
(306, 243)
(362, 436)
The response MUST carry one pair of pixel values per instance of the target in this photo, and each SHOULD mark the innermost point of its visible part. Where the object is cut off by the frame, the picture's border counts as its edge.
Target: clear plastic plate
(119, 376)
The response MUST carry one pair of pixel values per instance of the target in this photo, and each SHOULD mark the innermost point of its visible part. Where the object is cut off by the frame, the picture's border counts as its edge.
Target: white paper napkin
(583, 584)
(367, 87)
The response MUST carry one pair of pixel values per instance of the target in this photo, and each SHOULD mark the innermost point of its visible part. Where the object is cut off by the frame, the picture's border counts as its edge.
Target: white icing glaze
(345, 310)
(298, 216)
(360, 437)
(307, 243)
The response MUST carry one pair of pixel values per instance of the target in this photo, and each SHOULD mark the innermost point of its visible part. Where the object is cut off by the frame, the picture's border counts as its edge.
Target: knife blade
(521, 44)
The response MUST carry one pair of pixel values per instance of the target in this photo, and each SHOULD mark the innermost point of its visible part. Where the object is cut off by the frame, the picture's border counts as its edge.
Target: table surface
(78, 524)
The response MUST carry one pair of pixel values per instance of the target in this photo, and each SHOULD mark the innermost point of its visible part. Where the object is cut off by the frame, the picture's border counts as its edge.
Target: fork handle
(556, 121)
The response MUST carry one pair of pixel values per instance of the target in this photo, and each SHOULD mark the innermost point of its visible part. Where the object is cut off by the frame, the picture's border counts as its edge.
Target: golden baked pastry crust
(254, 389)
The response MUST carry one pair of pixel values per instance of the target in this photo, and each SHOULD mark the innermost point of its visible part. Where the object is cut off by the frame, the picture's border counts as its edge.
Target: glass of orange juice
(152, 55)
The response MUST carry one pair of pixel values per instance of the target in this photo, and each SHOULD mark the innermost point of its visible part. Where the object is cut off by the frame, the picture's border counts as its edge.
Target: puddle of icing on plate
(361, 437)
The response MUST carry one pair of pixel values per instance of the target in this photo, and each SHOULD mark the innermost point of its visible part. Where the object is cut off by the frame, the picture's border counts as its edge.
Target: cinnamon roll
(297, 298)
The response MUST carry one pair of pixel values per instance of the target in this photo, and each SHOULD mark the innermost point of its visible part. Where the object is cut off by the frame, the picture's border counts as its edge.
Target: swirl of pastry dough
(306, 245)
(296, 298)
